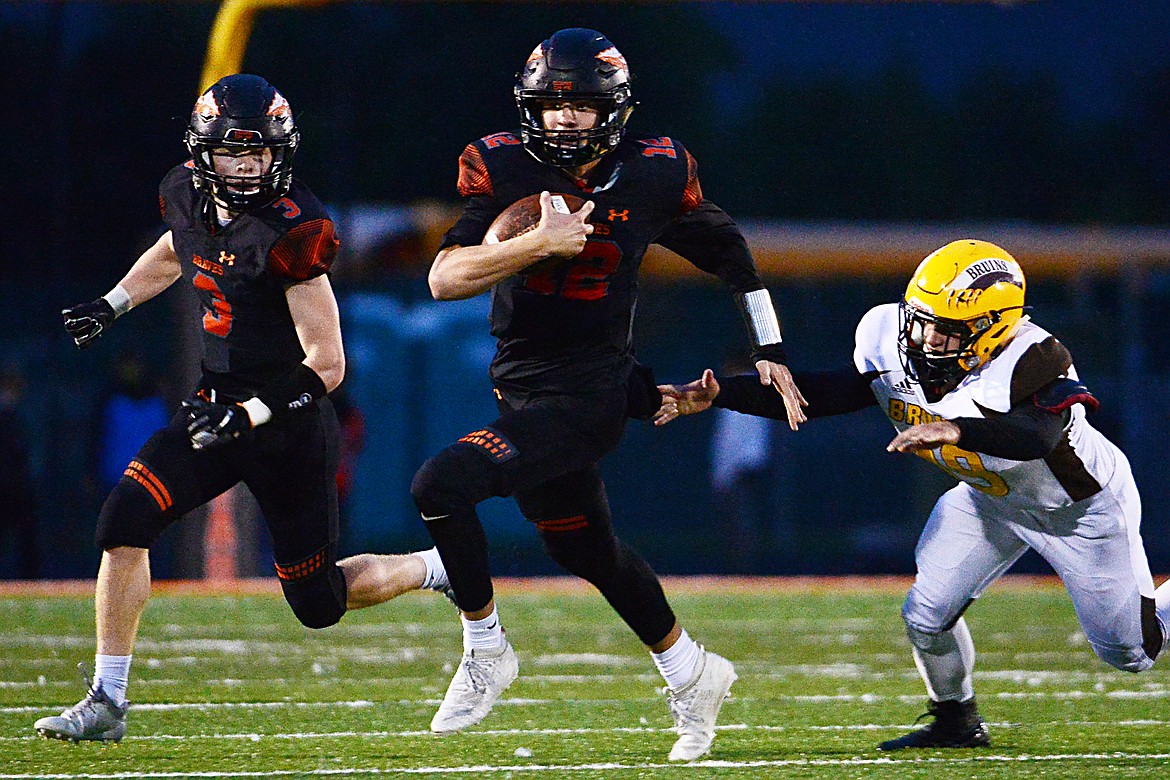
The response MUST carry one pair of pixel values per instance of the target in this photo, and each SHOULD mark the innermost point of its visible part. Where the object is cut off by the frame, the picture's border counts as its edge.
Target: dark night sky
(1096, 49)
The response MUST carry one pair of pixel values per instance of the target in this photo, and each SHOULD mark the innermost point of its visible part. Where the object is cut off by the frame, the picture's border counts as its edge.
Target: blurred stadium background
(849, 139)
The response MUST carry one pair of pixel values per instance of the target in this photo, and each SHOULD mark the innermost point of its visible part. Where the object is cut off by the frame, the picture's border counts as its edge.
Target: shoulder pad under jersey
(1063, 394)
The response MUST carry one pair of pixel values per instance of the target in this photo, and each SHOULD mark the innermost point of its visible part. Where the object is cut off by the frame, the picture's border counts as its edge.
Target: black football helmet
(242, 112)
(574, 65)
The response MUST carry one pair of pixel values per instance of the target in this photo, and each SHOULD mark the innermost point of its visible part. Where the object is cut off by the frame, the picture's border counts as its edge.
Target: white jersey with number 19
(1082, 462)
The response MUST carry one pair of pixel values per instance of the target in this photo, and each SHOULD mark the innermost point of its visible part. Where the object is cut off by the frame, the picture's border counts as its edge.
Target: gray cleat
(95, 717)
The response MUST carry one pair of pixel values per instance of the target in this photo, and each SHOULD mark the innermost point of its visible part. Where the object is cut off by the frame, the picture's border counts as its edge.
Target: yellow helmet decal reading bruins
(969, 295)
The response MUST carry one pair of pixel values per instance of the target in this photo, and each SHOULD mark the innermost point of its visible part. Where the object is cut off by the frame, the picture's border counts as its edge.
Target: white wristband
(258, 411)
(119, 299)
(762, 316)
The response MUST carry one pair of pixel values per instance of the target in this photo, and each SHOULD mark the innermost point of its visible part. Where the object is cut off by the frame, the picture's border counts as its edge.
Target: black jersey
(241, 271)
(568, 327)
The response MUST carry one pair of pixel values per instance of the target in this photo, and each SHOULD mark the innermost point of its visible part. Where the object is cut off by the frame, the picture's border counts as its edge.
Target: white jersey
(1082, 463)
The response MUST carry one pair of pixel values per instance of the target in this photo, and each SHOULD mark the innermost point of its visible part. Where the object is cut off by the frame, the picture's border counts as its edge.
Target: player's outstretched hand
(691, 398)
(779, 377)
(926, 436)
(86, 321)
(563, 235)
(211, 425)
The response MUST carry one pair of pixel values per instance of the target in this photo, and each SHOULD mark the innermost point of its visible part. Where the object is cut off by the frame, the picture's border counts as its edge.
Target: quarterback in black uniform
(257, 246)
(563, 298)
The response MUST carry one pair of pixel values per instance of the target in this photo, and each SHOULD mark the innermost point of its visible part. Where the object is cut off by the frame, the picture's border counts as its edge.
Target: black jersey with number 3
(567, 326)
(241, 271)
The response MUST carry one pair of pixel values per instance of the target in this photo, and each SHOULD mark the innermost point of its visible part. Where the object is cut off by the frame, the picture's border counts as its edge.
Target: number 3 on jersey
(217, 320)
(587, 277)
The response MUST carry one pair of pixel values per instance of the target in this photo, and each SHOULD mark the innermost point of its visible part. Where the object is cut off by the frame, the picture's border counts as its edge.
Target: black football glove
(86, 321)
(211, 424)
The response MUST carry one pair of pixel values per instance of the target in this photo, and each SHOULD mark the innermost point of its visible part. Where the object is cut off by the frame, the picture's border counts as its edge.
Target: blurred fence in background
(834, 501)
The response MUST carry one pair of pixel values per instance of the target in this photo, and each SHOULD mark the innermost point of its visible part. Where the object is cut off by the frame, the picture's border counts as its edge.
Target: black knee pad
(130, 517)
(457, 478)
(315, 588)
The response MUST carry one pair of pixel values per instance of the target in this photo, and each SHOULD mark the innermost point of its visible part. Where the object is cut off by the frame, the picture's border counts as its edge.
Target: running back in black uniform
(564, 370)
(569, 327)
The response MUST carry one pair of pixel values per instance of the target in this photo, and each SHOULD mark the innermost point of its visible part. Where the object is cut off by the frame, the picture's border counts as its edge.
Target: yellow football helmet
(963, 304)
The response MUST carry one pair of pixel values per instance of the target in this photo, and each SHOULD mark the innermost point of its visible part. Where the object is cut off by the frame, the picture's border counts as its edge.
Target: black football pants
(290, 465)
(544, 452)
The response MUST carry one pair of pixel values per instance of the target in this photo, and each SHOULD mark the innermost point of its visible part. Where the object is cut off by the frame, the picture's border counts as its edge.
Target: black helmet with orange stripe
(238, 114)
(579, 66)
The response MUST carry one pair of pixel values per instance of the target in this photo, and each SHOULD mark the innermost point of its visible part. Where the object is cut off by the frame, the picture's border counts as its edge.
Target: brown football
(524, 215)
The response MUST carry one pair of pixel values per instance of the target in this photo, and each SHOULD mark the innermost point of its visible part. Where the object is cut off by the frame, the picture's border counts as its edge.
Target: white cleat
(695, 706)
(480, 679)
(95, 718)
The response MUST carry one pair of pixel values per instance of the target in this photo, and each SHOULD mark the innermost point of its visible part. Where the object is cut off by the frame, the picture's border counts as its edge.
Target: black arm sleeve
(1026, 432)
(828, 393)
(473, 223)
(709, 238)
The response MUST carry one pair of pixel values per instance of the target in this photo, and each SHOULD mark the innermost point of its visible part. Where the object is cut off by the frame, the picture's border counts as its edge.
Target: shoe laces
(683, 715)
(95, 698)
(479, 672)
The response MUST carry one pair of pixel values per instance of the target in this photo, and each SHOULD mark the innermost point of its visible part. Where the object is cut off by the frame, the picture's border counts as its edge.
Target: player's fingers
(796, 391)
(667, 412)
(796, 415)
(586, 209)
(588, 228)
(546, 206)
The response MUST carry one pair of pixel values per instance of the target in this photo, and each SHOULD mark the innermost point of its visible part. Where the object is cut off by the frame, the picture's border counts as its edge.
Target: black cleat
(956, 725)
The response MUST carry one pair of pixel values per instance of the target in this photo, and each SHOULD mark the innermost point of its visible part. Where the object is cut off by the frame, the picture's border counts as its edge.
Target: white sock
(677, 663)
(111, 673)
(436, 573)
(485, 634)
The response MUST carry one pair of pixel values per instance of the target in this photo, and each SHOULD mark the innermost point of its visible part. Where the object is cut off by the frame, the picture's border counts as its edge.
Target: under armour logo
(226, 259)
(623, 215)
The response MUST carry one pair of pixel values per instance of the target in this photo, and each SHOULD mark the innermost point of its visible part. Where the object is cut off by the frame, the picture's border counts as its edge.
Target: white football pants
(971, 539)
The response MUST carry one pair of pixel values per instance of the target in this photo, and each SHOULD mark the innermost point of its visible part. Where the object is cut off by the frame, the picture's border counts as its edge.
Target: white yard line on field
(257, 737)
(606, 767)
(864, 698)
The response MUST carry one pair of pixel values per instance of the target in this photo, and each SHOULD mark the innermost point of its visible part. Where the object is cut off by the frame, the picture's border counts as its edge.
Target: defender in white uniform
(975, 388)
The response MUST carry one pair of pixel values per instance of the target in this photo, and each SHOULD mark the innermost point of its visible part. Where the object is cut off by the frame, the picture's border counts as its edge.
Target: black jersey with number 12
(568, 327)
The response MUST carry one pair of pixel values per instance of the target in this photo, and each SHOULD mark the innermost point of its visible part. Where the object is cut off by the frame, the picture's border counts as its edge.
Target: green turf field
(234, 687)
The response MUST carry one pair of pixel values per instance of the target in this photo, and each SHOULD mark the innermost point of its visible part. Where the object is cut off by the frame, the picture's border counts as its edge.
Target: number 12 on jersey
(584, 278)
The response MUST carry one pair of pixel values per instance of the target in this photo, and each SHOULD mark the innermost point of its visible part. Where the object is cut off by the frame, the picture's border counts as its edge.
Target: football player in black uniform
(257, 246)
(563, 300)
